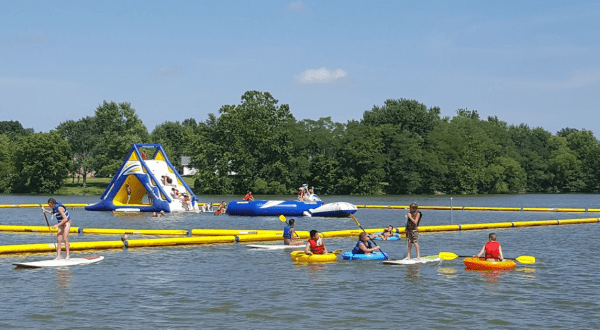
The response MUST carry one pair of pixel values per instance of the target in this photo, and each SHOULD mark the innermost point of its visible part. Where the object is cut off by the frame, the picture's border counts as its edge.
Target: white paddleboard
(423, 260)
(59, 262)
(276, 246)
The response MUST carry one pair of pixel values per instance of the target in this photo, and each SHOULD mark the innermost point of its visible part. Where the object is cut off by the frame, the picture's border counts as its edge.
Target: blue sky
(532, 62)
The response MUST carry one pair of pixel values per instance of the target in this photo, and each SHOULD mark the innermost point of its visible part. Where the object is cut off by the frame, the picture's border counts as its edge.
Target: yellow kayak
(300, 256)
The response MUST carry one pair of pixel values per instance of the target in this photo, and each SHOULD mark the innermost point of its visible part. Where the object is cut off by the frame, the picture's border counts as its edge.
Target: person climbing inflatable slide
(152, 177)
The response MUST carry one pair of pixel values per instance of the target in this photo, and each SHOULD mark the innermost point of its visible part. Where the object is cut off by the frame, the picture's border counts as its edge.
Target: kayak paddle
(355, 220)
(50, 230)
(521, 259)
(299, 253)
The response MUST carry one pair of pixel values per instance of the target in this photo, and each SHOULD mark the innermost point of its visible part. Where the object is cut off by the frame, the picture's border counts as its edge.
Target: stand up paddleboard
(59, 262)
(276, 246)
(413, 261)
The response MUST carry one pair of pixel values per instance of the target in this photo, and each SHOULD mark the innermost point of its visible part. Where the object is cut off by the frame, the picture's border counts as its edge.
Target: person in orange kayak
(315, 244)
(492, 250)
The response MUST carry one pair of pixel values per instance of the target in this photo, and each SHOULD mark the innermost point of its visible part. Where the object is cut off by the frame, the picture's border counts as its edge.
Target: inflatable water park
(152, 178)
(308, 204)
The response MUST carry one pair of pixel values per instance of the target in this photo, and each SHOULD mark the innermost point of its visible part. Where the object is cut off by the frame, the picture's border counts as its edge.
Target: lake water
(228, 286)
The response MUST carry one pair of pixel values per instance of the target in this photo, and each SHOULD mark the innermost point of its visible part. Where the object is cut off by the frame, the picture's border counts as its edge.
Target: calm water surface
(228, 286)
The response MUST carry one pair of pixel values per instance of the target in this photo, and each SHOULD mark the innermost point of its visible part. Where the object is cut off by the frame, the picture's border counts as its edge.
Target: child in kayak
(363, 246)
(289, 234)
(492, 250)
(315, 244)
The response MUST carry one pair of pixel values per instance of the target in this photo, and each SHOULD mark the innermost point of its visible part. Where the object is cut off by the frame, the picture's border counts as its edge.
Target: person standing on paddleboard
(492, 249)
(412, 229)
(64, 224)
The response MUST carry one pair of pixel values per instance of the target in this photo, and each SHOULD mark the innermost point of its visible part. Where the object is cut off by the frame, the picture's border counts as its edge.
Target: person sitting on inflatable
(363, 246)
(222, 208)
(290, 237)
(389, 232)
(315, 244)
(249, 196)
(301, 194)
(492, 250)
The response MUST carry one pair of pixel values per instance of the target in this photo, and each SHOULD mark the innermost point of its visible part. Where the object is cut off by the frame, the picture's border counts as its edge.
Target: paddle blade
(448, 255)
(282, 218)
(354, 218)
(336, 251)
(526, 259)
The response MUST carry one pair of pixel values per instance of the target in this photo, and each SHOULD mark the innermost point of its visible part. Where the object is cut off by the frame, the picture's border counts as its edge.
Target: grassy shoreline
(94, 186)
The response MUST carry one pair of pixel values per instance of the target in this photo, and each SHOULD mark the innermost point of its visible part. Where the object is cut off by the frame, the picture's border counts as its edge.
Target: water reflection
(63, 278)
(63, 286)
(413, 271)
(447, 272)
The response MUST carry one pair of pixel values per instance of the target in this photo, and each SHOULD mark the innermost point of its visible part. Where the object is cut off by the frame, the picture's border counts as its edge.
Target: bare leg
(409, 250)
(58, 243)
(66, 238)
(418, 253)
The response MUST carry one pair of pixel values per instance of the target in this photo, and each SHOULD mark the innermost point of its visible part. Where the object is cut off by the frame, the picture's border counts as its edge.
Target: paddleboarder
(412, 229)
(492, 249)
(64, 224)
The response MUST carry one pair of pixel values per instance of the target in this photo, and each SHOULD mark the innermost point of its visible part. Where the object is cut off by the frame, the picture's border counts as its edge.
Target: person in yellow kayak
(315, 244)
(492, 250)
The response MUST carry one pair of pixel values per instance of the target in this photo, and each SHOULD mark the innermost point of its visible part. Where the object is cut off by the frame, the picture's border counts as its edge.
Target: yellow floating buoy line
(401, 207)
(481, 208)
(214, 236)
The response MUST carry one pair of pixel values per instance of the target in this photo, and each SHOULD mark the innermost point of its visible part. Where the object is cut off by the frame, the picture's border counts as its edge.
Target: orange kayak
(481, 264)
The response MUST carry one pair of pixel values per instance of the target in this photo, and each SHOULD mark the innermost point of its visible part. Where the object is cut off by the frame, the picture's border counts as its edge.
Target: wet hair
(363, 234)
(414, 204)
(312, 233)
(493, 236)
(292, 221)
(51, 201)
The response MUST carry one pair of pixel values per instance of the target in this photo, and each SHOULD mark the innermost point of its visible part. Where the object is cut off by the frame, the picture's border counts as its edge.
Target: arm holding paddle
(377, 246)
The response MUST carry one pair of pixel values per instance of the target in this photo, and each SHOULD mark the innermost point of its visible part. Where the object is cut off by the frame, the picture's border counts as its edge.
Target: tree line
(399, 147)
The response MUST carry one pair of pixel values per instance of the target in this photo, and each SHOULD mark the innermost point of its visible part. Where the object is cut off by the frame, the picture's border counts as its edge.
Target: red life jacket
(492, 250)
(314, 248)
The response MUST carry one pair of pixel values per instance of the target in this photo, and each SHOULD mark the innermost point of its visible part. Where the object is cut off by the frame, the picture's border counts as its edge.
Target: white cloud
(297, 5)
(322, 75)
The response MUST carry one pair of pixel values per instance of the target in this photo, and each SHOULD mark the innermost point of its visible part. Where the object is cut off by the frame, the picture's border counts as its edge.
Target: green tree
(6, 163)
(247, 142)
(117, 128)
(172, 136)
(14, 129)
(82, 137)
(404, 114)
(41, 163)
